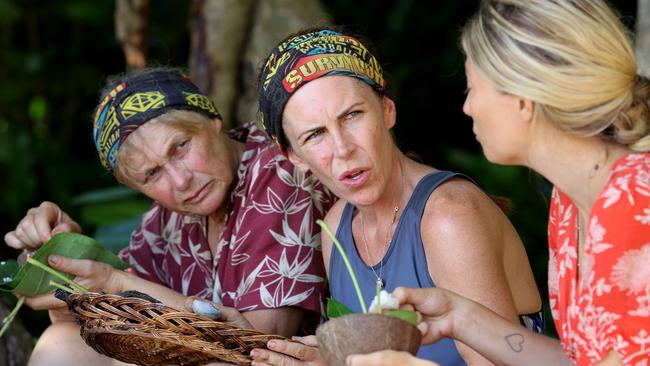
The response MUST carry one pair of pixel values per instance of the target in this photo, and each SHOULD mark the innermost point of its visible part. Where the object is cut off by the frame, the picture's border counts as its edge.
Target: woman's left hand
(387, 357)
(300, 351)
(94, 276)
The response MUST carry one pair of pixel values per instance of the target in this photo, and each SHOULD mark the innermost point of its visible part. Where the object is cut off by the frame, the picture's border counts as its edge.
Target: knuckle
(302, 352)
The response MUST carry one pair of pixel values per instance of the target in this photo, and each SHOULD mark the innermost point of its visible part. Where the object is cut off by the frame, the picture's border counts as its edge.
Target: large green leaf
(31, 280)
(336, 309)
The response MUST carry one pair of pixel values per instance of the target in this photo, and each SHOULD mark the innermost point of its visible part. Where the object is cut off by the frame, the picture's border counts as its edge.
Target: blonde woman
(552, 85)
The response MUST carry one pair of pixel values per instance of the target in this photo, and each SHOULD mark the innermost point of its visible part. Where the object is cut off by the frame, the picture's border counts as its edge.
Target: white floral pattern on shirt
(607, 306)
(269, 253)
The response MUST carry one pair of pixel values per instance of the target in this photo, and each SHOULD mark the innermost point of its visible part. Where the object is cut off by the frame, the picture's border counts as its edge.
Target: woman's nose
(180, 176)
(342, 145)
(466, 107)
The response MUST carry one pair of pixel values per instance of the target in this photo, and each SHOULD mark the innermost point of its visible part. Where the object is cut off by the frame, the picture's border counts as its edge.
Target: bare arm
(445, 314)
(284, 321)
(463, 238)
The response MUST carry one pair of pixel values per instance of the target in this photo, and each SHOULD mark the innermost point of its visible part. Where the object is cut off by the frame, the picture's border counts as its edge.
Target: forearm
(284, 321)
(503, 342)
(125, 282)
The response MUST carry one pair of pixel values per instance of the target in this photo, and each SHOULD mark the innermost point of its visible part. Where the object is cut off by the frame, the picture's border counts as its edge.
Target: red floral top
(269, 253)
(607, 306)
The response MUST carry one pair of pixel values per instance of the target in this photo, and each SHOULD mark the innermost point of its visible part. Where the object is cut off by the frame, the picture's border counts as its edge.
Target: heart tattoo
(516, 342)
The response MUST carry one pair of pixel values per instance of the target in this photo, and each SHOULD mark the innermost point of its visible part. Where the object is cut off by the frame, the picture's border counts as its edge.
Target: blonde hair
(190, 122)
(573, 58)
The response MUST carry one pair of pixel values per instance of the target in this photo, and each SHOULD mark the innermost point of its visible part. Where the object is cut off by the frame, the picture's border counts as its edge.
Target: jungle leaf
(406, 315)
(336, 309)
(30, 280)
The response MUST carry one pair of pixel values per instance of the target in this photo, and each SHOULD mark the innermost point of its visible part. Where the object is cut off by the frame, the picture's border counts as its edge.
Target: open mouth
(355, 178)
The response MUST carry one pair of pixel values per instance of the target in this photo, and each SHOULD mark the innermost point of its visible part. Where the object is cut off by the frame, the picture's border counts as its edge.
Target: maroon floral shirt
(268, 255)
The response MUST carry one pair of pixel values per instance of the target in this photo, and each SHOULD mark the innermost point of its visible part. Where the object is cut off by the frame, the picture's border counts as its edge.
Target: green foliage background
(55, 55)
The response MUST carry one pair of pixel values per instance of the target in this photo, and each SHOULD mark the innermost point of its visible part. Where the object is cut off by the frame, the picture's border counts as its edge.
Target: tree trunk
(643, 38)
(16, 344)
(219, 31)
(274, 21)
(132, 30)
(230, 38)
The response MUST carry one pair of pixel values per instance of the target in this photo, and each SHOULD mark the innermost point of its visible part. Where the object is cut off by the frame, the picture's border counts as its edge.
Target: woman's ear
(390, 112)
(297, 161)
(217, 123)
(526, 108)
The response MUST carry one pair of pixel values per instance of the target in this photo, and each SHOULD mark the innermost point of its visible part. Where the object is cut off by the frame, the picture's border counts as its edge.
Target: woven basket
(136, 330)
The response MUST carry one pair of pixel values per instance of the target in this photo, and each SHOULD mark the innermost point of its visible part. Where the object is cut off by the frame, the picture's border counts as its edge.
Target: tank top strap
(426, 186)
(345, 228)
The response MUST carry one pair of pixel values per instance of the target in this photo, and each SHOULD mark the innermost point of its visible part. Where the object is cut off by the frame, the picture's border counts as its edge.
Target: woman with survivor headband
(324, 101)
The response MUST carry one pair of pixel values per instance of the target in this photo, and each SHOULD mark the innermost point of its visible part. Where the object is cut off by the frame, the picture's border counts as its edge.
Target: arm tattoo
(515, 341)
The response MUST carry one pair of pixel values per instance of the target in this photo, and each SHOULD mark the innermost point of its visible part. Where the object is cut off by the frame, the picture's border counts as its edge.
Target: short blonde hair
(190, 122)
(573, 58)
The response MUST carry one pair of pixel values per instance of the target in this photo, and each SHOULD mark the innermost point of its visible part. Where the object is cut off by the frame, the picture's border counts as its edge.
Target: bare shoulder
(459, 211)
(456, 197)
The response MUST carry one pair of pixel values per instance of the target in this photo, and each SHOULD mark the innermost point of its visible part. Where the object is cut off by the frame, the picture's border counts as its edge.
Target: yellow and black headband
(139, 99)
(307, 57)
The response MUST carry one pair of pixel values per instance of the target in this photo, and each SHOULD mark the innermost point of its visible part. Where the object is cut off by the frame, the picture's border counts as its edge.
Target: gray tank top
(403, 265)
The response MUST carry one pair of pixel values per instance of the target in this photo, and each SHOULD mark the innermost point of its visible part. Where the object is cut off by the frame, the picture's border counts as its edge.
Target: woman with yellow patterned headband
(323, 99)
(233, 221)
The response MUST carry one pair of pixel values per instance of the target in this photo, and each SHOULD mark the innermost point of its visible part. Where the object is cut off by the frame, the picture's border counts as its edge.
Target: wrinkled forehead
(148, 144)
(325, 99)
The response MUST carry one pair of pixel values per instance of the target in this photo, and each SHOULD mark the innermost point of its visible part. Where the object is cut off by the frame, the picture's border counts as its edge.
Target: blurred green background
(54, 57)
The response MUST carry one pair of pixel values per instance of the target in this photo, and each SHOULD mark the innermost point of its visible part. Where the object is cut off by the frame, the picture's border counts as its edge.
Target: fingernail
(53, 259)
(271, 344)
(205, 309)
(255, 353)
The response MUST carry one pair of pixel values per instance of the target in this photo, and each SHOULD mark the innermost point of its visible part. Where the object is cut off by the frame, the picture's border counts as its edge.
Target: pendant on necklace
(379, 284)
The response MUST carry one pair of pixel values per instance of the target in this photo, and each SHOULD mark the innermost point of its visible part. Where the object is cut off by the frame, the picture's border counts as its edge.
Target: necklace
(379, 282)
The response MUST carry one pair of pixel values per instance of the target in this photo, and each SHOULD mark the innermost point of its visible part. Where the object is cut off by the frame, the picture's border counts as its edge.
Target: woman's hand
(216, 311)
(301, 351)
(95, 276)
(387, 358)
(436, 307)
(38, 226)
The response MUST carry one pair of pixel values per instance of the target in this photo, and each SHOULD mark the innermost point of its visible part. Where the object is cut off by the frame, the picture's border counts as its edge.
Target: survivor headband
(138, 100)
(307, 57)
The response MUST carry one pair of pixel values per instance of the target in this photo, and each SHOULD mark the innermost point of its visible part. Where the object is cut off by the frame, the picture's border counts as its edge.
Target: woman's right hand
(38, 226)
(436, 307)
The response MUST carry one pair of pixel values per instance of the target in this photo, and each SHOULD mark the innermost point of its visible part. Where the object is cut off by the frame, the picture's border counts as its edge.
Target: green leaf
(336, 309)
(30, 280)
(406, 315)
